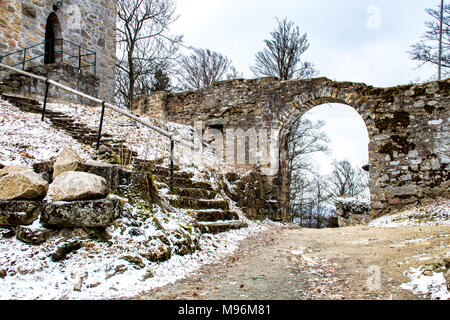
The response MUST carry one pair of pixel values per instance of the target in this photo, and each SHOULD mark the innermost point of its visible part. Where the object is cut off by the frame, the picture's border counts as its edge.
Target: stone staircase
(210, 210)
(76, 130)
(198, 198)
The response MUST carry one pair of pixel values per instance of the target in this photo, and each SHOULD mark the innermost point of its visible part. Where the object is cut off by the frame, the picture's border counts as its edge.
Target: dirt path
(295, 263)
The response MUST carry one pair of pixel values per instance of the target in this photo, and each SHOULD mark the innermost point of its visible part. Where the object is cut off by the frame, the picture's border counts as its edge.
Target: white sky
(359, 41)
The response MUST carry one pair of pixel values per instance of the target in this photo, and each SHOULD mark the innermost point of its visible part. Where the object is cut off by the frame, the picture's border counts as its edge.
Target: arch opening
(53, 37)
(324, 154)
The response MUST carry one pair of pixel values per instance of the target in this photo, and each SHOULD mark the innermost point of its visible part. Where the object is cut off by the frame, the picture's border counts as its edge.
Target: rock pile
(74, 199)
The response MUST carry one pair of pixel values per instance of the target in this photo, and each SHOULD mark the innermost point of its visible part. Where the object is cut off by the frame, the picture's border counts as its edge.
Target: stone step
(161, 185)
(185, 183)
(161, 173)
(64, 124)
(62, 117)
(195, 204)
(214, 215)
(151, 165)
(21, 100)
(222, 226)
(194, 193)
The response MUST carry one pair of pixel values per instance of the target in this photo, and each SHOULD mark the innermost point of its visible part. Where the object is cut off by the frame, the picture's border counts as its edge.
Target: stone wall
(65, 74)
(252, 195)
(90, 24)
(408, 128)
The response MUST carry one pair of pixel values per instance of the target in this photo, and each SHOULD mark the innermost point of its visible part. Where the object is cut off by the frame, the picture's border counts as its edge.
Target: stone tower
(60, 32)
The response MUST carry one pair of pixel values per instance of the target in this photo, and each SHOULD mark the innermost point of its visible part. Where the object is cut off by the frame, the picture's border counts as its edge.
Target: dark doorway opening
(50, 38)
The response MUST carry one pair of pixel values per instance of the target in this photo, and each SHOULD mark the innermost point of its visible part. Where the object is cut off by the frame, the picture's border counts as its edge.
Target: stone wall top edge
(273, 83)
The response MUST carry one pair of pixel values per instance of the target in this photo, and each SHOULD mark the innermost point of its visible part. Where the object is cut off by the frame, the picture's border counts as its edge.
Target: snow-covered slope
(117, 267)
(25, 139)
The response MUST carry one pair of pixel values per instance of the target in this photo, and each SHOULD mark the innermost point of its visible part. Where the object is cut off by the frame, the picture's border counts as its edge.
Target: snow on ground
(98, 272)
(430, 215)
(424, 283)
(25, 139)
(432, 286)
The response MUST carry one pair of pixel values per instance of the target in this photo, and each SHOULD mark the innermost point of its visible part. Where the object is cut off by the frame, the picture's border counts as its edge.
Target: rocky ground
(289, 263)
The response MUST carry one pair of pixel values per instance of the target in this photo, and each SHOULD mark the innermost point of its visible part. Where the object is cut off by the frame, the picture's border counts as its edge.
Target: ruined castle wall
(408, 128)
(91, 24)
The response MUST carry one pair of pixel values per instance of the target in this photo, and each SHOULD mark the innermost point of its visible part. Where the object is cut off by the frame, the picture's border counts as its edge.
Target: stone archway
(349, 94)
(53, 38)
(408, 127)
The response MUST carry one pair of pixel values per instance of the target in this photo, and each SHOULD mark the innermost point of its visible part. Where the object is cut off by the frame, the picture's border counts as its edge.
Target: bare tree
(434, 46)
(203, 68)
(307, 188)
(305, 139)
(347, 181)
(282, 56)
(144, 43)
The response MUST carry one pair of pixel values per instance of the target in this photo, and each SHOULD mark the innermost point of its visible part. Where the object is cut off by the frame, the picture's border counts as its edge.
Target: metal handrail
(104, 105)
(61, 51)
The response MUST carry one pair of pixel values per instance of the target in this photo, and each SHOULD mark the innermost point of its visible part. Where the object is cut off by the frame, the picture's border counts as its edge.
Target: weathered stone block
(10, 169)
(19, 212)
(82, 214)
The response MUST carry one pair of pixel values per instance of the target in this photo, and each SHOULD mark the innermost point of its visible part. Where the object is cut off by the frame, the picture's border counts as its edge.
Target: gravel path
(285, 263)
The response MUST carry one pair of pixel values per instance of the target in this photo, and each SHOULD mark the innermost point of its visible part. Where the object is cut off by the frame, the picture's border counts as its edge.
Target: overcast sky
(359, 41)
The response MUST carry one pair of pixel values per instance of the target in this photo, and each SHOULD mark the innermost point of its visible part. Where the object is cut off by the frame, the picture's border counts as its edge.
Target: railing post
(45, 99)
(24, 58)
(79, 57)
(99, 136)
(62, 50)
(172, 145)
(95, 63)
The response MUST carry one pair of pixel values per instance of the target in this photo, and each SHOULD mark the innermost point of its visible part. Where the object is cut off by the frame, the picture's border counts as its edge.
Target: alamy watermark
(235, 145)
(374, 20)
(373, 282)
(75, 19)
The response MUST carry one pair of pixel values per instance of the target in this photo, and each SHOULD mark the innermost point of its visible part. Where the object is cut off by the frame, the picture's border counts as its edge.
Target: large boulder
(13, 168)
(67, 160)
(81, 214)
(23, 185)
(75, 185)
(18, 212)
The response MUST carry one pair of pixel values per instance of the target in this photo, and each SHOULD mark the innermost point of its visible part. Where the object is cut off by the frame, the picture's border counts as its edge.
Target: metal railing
(70, 53)
(104, 105)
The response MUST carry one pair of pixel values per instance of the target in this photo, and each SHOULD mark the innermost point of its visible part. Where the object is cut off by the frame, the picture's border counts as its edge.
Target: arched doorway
(327, 149)
(302, 104)
(52, 35)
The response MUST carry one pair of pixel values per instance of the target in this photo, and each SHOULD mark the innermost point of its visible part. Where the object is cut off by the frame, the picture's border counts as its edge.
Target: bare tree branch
(203, 68)
(347, 181)
(144, 45)
(282, 56)
(426, 51)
